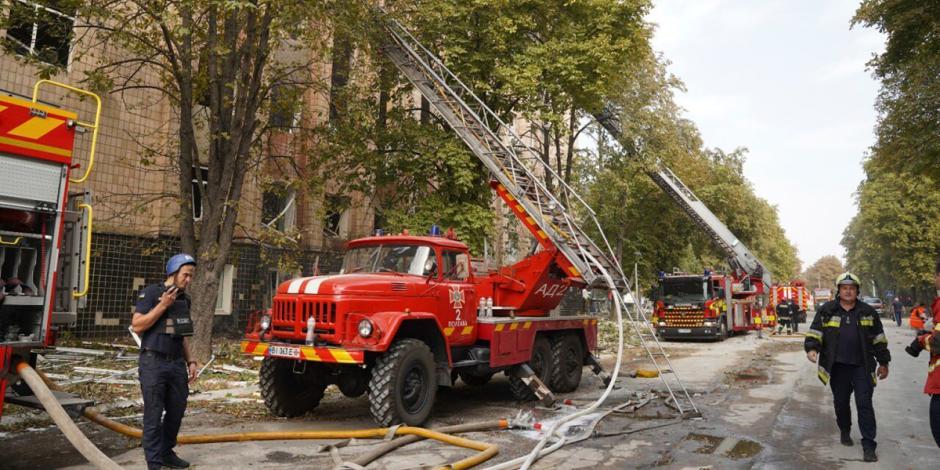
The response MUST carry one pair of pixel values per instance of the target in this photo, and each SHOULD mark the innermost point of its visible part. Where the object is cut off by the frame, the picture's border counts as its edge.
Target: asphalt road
(763, 407)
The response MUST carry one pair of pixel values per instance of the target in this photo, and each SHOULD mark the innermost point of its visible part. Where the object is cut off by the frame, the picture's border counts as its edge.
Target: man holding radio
(166, 366)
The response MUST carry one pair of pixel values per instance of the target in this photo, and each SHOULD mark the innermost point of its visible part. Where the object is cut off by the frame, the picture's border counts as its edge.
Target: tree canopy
(893, 240)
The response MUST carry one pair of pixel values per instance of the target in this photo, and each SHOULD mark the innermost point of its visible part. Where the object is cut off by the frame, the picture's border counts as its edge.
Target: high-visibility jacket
(917, 318)
(931, 342)
(823, 337)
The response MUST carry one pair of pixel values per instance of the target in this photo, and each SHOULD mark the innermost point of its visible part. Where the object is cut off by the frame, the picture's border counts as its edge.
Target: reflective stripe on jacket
(931, 342)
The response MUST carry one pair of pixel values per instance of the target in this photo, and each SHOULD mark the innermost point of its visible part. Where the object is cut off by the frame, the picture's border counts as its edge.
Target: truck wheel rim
(413, 389)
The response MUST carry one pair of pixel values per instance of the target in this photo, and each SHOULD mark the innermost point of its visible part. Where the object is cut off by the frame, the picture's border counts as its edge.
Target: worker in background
(794, 315)
(783, 317)
(930, 340)
(898, 310)
(846, 339)
(918, 318)
(166, 366)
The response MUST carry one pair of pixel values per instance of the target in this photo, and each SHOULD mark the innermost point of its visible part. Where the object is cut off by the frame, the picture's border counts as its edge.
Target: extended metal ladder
(518, 171)
(738, 255)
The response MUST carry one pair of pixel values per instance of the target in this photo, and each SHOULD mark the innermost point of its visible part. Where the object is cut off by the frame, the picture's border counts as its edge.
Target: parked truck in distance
(705, 306)
(821, 295)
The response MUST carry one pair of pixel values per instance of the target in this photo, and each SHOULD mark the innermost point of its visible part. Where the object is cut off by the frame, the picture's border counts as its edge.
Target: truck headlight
(265, 322)
(365, 328)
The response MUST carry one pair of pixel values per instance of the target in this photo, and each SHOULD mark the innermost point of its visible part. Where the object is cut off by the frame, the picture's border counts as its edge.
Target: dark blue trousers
(845, 380)
(164, 384)
(935, 417)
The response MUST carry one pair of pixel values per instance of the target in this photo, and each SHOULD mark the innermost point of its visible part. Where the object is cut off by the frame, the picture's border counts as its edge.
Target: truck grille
(287, 317)
(684, 318)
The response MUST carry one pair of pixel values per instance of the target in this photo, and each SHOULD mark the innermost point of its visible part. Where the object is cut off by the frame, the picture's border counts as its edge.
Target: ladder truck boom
(551, 214)
(738, 255)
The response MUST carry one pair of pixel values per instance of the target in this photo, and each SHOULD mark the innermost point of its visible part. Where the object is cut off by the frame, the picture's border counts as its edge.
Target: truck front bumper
(702, 332)
(303, 353)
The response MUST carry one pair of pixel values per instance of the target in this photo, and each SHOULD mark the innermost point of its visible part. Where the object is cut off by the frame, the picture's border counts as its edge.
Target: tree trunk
(205, 288)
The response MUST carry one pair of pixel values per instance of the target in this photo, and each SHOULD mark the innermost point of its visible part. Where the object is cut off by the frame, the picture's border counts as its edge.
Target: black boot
(170, 459)
(869, 455)
(846, 439)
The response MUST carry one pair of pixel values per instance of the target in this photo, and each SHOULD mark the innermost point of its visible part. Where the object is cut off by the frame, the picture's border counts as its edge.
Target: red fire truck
(796, 291)
(408, 313)
(45, 230)
(705, 306)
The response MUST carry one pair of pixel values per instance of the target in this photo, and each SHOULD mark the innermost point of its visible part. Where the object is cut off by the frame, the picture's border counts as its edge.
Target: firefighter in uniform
(930, 341)
(784, 318)
(166, 365)
(845, 340)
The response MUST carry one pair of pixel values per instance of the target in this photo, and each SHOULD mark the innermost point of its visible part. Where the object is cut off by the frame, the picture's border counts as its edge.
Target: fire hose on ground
(42, 387)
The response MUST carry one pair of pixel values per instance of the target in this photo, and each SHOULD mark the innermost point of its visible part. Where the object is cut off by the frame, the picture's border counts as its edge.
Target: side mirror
(430, 268)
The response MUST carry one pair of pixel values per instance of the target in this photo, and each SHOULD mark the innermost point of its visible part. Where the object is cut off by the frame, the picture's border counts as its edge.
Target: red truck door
(457, 298)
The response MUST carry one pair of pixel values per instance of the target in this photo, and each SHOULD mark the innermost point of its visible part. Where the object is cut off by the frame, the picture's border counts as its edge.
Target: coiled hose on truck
(42, 386)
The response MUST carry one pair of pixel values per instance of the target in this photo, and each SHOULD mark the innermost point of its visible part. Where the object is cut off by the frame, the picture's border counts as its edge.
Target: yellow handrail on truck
(93, 126)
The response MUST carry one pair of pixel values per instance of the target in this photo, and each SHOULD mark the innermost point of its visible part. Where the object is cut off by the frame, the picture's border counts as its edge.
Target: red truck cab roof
(442, 242)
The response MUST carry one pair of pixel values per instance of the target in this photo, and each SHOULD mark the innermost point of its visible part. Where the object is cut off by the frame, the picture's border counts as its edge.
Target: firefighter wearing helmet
(930, 340)
(166, 365)
(846, 340)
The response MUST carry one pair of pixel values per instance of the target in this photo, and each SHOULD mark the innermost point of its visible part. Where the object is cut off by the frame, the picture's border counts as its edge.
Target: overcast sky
(787, 80)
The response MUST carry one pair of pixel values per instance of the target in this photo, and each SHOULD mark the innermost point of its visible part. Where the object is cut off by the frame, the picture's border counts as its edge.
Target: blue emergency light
(435, 231)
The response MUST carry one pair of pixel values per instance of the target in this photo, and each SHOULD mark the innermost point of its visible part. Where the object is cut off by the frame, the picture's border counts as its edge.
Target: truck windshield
(684, 291)
(404, 259)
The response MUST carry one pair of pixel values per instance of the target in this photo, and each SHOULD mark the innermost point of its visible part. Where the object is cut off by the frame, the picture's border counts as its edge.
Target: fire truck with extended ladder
(708, 305)
(45, 232)
(407, 314)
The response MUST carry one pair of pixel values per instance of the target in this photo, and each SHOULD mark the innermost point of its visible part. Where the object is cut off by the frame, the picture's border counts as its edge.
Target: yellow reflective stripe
(36, 127)
(866, 322)
(927, 344)
(881, 338)
(448, 331)
(823, 375)
(936, 327)
(932, 366)
(814, 334)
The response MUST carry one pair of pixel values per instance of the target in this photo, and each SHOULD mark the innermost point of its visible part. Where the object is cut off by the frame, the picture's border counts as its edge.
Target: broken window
(277, 207)
(42, 29)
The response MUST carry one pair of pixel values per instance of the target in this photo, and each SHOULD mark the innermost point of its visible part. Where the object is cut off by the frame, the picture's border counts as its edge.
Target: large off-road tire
(567, 363)
(541, 364)
(475, 380)
(403, 384)
(286, 393)
(723, 333)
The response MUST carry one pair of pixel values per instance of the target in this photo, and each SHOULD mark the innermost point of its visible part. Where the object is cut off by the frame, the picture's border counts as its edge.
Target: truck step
(73, 405)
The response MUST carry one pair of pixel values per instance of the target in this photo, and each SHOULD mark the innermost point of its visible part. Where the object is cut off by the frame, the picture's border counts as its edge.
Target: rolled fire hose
(63, 420)
(486, 451)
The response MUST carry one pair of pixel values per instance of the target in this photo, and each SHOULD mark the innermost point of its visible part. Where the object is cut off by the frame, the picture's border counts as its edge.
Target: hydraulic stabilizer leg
(541, 391)
(597, 369)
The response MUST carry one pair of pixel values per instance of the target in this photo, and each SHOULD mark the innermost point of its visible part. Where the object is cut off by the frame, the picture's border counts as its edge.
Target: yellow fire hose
(40, 384)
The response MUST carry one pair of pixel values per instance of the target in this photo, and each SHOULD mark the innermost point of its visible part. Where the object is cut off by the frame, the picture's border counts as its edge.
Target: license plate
(684, 330)
(285, 351)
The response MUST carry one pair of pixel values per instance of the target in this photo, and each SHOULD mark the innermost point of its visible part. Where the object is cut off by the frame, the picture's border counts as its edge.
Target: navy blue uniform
(163, 376)
(850, 343)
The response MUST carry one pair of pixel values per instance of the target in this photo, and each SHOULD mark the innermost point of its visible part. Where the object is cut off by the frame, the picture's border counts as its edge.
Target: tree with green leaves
(215, 63)
(895, 237)
(909, 69)
(823, 272)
